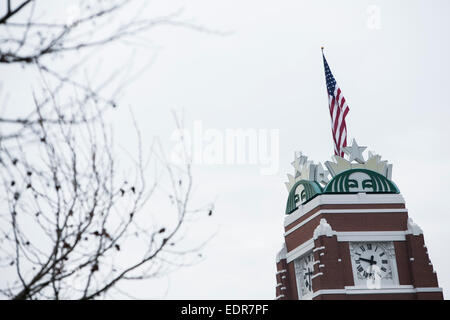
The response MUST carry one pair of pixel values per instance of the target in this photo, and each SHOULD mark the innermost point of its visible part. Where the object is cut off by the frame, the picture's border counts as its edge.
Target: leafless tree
(71, 225)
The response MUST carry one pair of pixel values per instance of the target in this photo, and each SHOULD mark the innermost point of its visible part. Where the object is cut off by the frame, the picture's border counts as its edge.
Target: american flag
(338, 111)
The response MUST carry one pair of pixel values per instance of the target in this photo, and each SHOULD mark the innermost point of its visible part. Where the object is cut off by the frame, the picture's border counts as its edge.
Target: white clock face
(371, 260)
(305, 270)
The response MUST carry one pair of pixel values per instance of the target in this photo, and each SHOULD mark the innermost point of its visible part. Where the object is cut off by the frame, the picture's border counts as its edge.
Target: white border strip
(325, 211)
(300, 250)
(358, 198)
(371, 236)
(401, 289)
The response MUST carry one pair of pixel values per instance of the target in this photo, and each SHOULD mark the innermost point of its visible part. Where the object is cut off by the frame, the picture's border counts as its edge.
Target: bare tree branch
(70, 220)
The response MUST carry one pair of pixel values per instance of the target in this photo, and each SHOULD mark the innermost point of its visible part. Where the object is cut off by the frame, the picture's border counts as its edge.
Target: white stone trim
(430, 289)
(278, 284)
(328, 291)
(300, 250)
(358, 198)
(279, 297)
(356, 290)
(352, 289)
(325, 211)
(413, 228)
(281, 254)
(371, 236)
(323, 229)
(281, 271)
(318, 274)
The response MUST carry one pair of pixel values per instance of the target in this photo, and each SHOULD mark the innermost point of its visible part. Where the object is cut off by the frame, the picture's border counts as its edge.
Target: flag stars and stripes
(338, 111)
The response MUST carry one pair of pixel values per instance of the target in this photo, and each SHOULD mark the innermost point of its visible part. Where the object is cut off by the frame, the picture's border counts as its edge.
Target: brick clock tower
(348, 234)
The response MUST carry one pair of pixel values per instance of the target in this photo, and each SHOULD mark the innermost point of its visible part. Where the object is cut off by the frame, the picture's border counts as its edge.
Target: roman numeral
(360, 269)
(369, 246)
(357, 261)
(383, 269)
(381, 254)
(362, 248)
(384, 261)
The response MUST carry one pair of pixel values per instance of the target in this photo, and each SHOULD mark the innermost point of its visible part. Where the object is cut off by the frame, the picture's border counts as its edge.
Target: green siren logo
(352, 174)
(302, 192)
(360, 180)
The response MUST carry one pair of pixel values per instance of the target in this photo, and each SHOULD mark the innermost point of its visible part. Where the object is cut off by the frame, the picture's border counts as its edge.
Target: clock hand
(309, 277)
(371, 261)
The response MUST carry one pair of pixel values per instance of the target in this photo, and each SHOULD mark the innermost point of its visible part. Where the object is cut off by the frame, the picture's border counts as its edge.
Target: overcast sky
(390, 59)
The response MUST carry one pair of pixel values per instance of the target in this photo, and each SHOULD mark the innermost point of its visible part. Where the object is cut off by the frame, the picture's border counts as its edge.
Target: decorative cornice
(413, 228)
(358, 198)
(282, 253)
(323, 229)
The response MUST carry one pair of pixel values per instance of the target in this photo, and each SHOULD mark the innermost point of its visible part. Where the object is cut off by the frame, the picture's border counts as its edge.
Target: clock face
(371, 261)
(305, 270)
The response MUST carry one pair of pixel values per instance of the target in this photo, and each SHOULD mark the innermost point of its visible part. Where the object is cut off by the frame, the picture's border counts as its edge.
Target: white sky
(269, 75)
